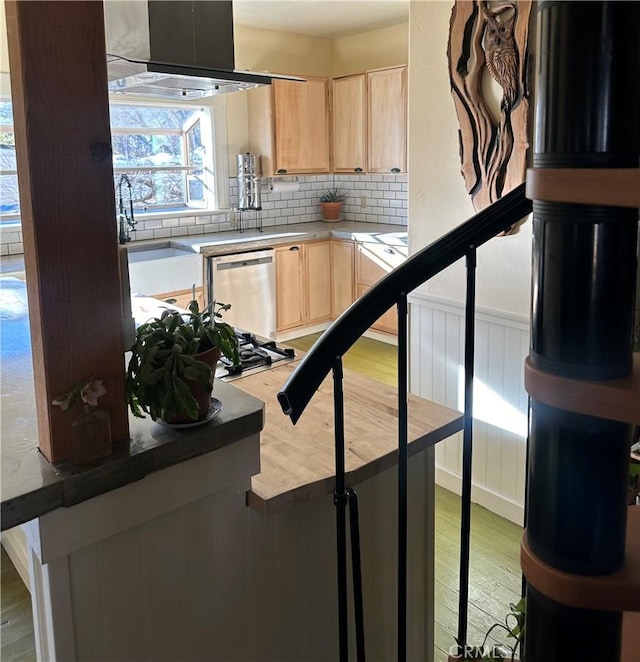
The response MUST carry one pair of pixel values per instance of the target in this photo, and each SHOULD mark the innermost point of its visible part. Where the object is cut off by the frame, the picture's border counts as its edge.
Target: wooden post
(65, 172)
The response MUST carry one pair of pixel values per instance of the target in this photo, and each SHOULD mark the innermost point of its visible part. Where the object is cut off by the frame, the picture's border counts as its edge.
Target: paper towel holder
(283, 179)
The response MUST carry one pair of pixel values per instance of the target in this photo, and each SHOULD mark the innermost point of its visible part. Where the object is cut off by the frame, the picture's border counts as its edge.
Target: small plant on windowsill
(331, 202)
(91, 427)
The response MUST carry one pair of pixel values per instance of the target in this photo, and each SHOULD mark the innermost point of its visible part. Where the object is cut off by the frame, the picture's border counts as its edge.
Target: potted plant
(514, 627)
(170, 373)
(331, 203)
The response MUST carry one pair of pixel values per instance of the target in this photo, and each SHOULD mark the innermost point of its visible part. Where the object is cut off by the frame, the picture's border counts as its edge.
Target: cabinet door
(260, 123)
(290, 286)
(388, 322)
(373, 262)
(301, 120)
(350, 123)
(318, 273)
(343, 272)
(376, 260)
(387, 120)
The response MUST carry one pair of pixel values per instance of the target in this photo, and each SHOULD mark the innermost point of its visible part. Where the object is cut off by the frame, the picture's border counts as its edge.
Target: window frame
(200, 116)
(214, 133)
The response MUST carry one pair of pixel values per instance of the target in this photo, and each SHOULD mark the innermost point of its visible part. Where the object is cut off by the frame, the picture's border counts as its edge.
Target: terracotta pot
(331, 211)
(202, 395)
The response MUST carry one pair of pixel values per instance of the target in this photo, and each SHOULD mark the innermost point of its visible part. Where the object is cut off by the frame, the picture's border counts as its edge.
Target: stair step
(619, 591)
(616, 187)
(617, 400)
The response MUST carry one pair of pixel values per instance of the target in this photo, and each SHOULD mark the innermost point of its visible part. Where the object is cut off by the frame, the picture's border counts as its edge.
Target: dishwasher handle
(239, 264)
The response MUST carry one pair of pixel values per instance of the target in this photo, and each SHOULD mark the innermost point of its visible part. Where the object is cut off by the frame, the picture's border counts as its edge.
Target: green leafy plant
(163, 365)
(333, 195)
(513, 625)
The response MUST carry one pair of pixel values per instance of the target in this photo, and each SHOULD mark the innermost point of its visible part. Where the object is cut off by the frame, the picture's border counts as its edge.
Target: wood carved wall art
(490, 39)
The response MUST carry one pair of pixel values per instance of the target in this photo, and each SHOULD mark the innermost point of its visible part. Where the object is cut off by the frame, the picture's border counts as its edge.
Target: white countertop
(234, 241)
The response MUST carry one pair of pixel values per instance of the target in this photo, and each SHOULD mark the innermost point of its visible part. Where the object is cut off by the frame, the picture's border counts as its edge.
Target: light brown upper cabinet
(350, 123)
(289, 126)
(370, 122)
(387, 120)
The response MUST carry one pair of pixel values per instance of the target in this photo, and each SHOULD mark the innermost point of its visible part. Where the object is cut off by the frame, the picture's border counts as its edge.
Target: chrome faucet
(126, 220)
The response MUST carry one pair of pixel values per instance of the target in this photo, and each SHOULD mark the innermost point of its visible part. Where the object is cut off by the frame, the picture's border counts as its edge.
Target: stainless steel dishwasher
(248, 282)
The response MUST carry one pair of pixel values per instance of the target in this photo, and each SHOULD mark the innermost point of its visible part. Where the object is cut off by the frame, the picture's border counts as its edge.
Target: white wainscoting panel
(500, 401)
(215, 580)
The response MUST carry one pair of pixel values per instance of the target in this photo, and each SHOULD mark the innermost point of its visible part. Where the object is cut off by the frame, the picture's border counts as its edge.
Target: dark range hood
(173, 49)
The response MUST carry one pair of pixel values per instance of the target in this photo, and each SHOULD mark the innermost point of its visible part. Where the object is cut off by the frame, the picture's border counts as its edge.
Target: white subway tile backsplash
(11, 237)
(142, 235)
(153, 224)
(385, 202)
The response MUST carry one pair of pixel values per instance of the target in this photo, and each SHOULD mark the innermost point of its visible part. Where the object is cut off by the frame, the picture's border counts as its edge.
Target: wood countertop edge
(150, 449)
(324, 486)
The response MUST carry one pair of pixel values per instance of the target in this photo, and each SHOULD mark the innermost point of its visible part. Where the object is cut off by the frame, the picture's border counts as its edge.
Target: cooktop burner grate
(254, 353)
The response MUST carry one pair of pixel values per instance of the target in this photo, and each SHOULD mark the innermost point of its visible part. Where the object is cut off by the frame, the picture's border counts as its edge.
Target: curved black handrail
(431, 260)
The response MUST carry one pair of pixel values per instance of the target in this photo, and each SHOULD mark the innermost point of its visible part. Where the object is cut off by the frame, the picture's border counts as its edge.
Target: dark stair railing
(327, 353)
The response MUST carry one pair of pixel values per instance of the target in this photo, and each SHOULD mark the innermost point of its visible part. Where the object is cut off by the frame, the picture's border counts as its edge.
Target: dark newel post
(584, 262)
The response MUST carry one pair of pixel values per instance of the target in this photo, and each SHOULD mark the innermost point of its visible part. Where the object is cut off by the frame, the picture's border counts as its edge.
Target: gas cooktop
(256, 354)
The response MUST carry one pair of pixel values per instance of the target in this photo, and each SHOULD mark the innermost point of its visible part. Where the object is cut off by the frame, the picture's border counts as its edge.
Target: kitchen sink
(163, 269)
(143, 255)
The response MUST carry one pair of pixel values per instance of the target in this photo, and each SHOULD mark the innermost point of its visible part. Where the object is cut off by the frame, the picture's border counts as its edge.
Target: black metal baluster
(356, 568)
(402, 477)
(340, 501)
(467, 446)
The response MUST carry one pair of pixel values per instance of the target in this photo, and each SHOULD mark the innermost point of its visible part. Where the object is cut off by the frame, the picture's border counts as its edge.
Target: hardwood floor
(369, 357)
(495, 544)
(17, 642)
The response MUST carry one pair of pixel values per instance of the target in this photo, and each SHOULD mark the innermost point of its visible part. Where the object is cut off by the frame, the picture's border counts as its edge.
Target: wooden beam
(65, 173)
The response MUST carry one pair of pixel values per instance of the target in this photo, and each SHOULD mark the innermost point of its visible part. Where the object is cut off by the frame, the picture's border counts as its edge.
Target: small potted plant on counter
(172, 365)
(331, 203)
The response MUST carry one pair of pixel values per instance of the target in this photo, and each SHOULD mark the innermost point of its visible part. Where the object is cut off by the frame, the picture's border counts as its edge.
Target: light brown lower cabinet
(317, 280)
(290, 286)
(182, 298)
(343, 275)
(373, 262)
(303, 284)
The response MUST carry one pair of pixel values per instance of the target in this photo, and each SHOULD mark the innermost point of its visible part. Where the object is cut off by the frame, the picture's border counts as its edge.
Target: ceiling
(320, 18)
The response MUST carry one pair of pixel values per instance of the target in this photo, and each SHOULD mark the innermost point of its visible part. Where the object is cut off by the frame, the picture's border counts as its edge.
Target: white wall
(375, 49)
(437, 197)
(437, 203)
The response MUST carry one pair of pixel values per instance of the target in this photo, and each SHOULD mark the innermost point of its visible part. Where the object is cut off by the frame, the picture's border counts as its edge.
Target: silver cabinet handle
(389, 250)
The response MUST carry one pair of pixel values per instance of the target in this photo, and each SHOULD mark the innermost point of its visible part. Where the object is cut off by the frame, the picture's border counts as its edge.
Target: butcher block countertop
(297, 462)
